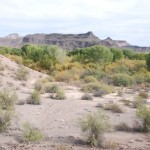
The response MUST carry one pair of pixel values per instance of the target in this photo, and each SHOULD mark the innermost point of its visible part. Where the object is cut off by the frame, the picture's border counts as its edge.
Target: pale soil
(59, 119)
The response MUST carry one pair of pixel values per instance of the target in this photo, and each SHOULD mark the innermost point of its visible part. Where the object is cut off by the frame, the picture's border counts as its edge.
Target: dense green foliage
(92, 64)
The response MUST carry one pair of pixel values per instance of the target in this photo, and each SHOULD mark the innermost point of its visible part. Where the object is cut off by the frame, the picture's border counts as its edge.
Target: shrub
(117, 54)
(38, 86)
(122, 80)
(5, 118)
(51, 88)
(22, 73)
(95, 86)
(34, 98)
(114, 108)
(87, 96)
(59, 95)
(7, 99)
(93, 126)
(31, 134)
(63, 76)
(144, 114)
(138, 101)
(90, 79)
(143, 95)
(123, 127)
(99, 93)
(126, 102)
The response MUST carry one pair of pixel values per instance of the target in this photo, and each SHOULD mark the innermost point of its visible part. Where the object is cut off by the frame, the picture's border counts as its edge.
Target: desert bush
(120, 92)
(34, 98)
(31, 134)
(126, 102)
(7, 99)
(123, 127)
(117, 54)
(94, 125)
(138, 101)
(122, 80)
(22, 73)
(143, 113)
(143, 95)
(5, 118)
(95, 86)
(59, 95)
(63, 76)
(89, 79)
(87, 96)
(38, 86)
(51, 88)
(114, 108)
(99, 93)
(50, 78)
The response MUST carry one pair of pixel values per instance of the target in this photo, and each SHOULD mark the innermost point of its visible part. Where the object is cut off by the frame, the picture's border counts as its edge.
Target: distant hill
(66, 41)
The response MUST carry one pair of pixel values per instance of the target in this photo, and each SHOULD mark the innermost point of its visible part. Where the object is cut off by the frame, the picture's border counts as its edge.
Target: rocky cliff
(66, 41)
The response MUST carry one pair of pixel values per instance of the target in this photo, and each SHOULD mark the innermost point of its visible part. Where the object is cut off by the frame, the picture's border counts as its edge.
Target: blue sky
(119, 19)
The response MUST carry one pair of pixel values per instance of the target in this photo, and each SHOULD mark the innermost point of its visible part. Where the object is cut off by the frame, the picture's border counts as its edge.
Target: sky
(119, 19)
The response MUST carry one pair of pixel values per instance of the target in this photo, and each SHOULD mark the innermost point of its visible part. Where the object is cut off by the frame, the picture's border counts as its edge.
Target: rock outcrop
(66, 41)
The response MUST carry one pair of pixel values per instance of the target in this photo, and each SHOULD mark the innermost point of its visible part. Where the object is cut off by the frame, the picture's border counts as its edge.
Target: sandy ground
(59, 119)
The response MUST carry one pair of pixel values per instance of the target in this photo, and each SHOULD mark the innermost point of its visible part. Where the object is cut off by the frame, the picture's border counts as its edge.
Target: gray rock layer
(66, 41)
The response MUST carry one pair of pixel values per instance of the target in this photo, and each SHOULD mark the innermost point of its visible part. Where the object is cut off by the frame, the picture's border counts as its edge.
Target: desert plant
(143, 95)
(22, 73)
(99, 93)
(51, 88)
(123, 127)
(34, 98)
(87, 96)
(122, 80)
(95, 86)
(144, 114)
(59, 95)
(31, 134)
(38, 86)
(93, 126)
(114, 108)
(7, 99)
(138, 101)
(5, 117)
(126, 102)
(89, 79)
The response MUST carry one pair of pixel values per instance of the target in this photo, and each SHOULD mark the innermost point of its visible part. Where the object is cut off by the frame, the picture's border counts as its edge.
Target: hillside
(57, 119)
(66, 41)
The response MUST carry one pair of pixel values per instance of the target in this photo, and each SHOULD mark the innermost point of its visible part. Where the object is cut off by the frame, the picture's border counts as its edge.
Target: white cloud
(127, 19)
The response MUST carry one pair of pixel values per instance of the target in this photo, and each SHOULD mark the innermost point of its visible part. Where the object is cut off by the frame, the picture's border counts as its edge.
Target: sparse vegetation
(89, 79)
(22, 73)
(143, 113)
(34, 98)
(59, 95)
(143, 95)
(94, 125)
(87, 96)
(138, 101)
(114, 108)
(123, 127)
(7, 99)
(31, 134)
(5, 118)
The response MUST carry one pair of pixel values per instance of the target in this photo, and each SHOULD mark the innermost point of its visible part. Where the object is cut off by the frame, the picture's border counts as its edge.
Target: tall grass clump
(34, 98)
(7, 99)
(31, 134)
(22, 73)
(93, 126)
(143, 113)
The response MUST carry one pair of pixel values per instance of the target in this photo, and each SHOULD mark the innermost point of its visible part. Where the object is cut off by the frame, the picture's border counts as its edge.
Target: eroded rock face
(66, 41)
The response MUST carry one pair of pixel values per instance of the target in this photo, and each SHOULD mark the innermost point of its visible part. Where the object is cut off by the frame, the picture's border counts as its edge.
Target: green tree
(117, 54)
(95, 54)
(148, 61)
